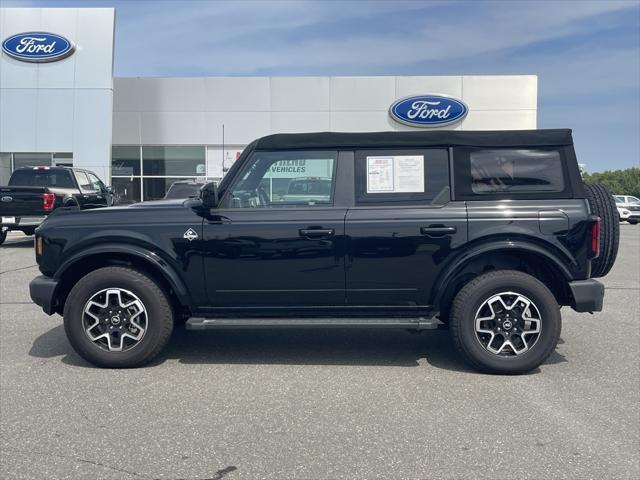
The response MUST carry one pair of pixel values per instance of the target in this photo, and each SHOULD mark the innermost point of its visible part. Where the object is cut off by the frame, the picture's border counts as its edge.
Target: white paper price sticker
(395, 174)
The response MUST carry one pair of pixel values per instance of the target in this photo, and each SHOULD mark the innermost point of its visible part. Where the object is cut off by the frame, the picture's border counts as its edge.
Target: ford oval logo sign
(428, 111)
(37, 47)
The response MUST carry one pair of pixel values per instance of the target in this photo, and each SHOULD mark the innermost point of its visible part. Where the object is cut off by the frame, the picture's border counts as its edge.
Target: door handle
(438, 230)
(316, 232)
(218, 219)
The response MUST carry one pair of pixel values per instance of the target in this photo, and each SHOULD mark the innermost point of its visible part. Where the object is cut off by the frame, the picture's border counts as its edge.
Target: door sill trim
(199, 323)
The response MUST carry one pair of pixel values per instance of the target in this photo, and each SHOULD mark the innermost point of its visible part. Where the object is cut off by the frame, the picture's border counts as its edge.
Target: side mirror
(109, 190)
(209, 195)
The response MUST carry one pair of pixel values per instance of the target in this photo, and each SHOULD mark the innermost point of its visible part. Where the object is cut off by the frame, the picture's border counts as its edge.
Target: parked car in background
(628, 208)
(184, 189)
(309, 188)
(35, 192)
(490, 232)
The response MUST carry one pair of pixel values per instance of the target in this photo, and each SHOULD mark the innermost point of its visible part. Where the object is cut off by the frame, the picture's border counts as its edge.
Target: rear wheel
(117, 317)
(505, 322)
(603, 205)
(632, 221)
(3, 236)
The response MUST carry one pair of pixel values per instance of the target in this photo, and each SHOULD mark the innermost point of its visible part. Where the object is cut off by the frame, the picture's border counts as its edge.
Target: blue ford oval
(428, 111)
(37, 47)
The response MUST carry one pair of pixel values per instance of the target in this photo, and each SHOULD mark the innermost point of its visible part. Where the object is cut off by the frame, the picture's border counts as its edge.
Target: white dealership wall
(63, 106)
(191, 111)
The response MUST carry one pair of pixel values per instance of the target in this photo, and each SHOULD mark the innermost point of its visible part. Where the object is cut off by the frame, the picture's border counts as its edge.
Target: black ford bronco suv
(489, 232)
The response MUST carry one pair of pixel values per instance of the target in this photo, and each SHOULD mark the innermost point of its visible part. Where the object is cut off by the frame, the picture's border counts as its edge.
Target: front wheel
(117, 317)
(506, 322)
(3, 236)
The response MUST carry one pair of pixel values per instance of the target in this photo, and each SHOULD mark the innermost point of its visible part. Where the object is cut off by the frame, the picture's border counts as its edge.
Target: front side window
(497, 171)
(96, 183)
(284, 179)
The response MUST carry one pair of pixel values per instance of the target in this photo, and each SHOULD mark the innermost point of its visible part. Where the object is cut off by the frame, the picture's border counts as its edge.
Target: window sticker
(379, 174)
(395, 174)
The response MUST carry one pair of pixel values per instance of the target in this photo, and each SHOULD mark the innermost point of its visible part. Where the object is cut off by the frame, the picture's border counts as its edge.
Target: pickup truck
(486, 233)
(35, 192)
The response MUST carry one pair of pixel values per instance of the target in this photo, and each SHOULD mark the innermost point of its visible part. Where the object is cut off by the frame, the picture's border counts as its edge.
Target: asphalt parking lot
(312, 404)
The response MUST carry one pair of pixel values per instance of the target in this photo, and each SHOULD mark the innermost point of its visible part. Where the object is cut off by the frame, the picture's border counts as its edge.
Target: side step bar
(196, 323)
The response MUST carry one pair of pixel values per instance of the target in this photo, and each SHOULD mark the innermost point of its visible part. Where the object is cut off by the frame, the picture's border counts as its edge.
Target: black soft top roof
(442, 138)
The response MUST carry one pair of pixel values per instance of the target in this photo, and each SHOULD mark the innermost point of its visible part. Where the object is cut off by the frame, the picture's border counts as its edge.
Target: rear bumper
(42, 290)
(588, 295)
(23, 222)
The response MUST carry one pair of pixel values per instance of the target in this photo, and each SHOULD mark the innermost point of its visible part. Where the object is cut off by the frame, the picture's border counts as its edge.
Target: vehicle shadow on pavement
(21, 242)
(358, 347)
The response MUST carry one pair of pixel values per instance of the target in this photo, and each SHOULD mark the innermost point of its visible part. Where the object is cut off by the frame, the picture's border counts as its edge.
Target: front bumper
(588, 295)
(42, 290)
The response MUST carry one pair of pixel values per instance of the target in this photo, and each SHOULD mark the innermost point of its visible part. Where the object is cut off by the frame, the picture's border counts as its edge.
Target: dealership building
(141, 134)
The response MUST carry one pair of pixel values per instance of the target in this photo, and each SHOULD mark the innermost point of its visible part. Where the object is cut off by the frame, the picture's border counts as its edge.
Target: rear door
(402, 228)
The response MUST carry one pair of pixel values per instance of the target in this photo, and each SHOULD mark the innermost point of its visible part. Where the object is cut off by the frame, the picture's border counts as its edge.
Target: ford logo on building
(427, 111)
(37, 47)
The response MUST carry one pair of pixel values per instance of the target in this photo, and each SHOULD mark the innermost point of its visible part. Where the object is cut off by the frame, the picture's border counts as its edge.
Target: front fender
(496, 246)
(148, 256)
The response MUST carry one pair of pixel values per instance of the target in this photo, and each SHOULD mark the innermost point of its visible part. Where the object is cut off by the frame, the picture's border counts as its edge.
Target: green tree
(621, 182)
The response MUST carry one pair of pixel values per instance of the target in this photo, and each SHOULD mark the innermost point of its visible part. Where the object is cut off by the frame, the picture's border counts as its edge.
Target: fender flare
(147, 256)
(502, 246)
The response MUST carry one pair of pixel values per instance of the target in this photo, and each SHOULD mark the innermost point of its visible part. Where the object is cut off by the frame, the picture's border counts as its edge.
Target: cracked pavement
(313, 404)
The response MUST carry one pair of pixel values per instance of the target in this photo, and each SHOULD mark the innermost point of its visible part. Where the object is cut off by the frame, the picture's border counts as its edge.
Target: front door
(90, 195)
(402, 229)
(277, 239)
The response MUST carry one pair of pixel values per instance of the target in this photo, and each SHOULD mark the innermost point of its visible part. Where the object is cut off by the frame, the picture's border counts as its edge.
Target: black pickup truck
(35, 192)
(488, 233)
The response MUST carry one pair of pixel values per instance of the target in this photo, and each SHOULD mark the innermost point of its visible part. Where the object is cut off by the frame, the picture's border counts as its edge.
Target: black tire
(632, 222)
(159, 317)
(472, 297)
(29, 231)
(3, 236)
(603, 205)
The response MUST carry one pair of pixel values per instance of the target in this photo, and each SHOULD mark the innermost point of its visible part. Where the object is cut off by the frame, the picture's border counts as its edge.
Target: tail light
(595, 237)
(48, 200)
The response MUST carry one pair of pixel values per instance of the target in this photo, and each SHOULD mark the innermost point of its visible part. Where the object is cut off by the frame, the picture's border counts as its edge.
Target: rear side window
(510, 172)
(402, 176)
(41, 178)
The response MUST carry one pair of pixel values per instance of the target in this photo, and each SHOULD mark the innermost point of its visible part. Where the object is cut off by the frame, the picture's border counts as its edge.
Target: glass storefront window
(31, 160)
(173, 160)
(64, 159)
(125, 161)
(156, 188)
(127, 190)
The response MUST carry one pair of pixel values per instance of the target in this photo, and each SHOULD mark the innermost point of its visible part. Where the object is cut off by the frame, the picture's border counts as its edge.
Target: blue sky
(586, 53)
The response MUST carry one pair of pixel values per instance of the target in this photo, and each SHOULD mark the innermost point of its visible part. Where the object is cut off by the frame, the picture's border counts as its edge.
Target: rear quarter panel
(559, 226)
